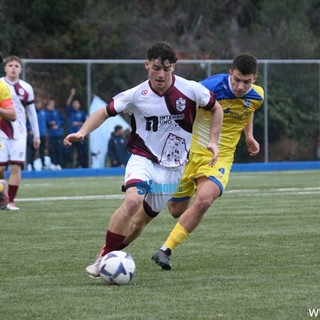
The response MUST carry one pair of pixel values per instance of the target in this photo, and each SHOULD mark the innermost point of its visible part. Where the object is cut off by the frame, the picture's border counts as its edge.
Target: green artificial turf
(254, 256)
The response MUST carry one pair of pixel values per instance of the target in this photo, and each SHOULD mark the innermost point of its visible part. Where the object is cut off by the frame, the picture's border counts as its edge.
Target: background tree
(199, 29)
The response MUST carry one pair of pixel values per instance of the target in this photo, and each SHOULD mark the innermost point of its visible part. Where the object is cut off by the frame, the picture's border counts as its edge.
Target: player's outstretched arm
(215, 129)
(92, 123)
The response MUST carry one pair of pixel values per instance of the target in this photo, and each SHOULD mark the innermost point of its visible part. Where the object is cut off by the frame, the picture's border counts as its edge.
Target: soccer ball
(117, 267)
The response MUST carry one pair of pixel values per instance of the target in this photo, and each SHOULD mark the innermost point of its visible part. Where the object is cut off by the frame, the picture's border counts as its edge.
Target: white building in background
(99, 138)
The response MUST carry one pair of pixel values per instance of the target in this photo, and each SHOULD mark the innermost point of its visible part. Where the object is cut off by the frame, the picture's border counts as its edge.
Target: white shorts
(13, 151)
(156, 182)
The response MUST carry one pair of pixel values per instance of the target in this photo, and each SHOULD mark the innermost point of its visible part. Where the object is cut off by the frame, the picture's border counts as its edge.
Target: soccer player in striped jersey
(14, 134)
(239, 98)
(7, 112)
(162, 110)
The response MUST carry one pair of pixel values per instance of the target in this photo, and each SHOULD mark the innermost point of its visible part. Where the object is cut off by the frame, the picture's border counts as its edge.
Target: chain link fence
(287, 126)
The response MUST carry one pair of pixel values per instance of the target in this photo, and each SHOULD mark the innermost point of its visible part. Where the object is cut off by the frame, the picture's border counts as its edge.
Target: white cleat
(12, 207)
(93, 269)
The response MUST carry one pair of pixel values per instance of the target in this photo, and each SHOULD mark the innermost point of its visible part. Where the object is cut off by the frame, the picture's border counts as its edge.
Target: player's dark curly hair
(163, 51)
(245, 63)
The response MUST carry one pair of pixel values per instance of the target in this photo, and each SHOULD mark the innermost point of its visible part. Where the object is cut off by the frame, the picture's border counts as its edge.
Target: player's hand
(36, 142)
(73, 137)
(215, 151)
(253, 146)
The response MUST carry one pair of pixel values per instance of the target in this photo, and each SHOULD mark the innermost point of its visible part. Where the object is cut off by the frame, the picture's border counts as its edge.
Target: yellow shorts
(198, 166)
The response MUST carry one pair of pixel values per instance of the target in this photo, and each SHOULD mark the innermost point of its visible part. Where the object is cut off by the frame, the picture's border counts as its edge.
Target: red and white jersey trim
(162, 124)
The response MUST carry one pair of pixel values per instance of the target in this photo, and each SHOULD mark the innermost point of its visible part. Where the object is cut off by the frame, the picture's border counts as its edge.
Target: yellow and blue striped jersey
(236, 114)
(5, 98)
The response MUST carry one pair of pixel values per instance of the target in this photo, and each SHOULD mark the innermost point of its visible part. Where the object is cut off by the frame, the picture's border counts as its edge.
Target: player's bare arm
(92, 123)
(252, 144)
(8, 113)
(216, 118)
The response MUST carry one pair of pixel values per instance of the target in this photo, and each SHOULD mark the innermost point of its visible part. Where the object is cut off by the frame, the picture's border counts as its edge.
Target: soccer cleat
(162, 258)
(93, 269)
(12, 207)
(4, 198)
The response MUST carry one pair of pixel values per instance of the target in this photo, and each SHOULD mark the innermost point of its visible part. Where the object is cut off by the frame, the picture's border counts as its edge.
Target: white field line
(98, 197)
(244, 192)
(278, 190)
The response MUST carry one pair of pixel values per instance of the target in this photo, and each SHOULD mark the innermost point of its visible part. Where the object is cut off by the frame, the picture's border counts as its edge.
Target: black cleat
(162, 258)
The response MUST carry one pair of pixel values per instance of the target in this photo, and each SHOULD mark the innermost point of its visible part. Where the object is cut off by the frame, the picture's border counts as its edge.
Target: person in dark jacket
(117, 148)
(55, 125)
(75, 119)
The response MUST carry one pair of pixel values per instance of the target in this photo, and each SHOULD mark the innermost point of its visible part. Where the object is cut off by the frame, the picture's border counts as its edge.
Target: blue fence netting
(237, 167)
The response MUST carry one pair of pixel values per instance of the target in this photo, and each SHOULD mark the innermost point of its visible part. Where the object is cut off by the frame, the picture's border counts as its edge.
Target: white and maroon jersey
(23, 100)
(162, 124)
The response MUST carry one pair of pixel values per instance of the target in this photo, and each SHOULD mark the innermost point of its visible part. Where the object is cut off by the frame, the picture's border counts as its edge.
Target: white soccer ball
(117, 267)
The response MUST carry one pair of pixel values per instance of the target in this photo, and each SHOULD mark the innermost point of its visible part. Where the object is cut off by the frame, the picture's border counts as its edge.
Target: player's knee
(15, 169)
(202, 205)
(132, 204)
(176, 214)
(176, 209)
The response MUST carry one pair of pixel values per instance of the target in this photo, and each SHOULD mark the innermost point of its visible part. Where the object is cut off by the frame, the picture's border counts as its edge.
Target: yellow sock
(177, 235)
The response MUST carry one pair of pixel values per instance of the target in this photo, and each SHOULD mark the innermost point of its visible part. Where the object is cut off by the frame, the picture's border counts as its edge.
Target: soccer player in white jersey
(239, 98)
(162, 111)
(14, 134)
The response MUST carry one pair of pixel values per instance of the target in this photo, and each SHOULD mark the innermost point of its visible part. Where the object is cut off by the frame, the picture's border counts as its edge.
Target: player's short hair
(245, 63)
(12, 58)
(163, 51)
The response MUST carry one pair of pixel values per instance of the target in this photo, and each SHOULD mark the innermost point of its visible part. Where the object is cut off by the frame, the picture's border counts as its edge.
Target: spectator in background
(14, 134)
(117, 148)
(42, 120)
(75, 119)
(55, 125)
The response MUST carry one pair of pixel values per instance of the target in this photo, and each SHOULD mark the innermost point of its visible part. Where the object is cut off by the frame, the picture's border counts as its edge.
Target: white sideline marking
(248, 192)
(307, 190)
(101, 197)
